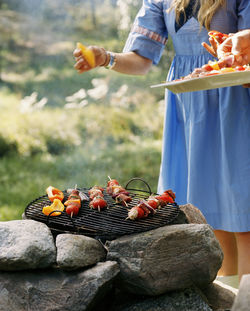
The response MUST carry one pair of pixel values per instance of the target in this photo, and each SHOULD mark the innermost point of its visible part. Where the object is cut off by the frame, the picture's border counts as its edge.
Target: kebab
(149, 206)
(96, 197)
(73, 203)
(118, 193)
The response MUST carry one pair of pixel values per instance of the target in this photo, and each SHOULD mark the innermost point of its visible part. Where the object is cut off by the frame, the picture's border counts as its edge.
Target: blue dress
(206, 139)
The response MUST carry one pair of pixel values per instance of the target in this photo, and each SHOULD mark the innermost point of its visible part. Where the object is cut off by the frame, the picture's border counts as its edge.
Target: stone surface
(168, 258)
(185, 300)
(25, 244)
(219, 295)
(193, 214)
(56, 290)
(242, 300)
(77, 251)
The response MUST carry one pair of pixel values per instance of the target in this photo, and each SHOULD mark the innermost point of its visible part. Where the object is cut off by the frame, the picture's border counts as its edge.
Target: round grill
(109, 223)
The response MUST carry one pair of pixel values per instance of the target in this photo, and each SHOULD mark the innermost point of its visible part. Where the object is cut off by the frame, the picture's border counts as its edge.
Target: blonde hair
(205, 14)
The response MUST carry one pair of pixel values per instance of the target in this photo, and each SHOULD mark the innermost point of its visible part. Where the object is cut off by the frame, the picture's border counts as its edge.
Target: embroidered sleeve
(148, 35)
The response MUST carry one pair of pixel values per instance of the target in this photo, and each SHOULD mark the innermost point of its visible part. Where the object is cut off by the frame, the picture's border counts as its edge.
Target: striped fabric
(148, 33)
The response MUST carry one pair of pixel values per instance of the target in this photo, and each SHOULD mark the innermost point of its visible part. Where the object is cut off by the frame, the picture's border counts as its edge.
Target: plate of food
(200, 80)
(214, 74)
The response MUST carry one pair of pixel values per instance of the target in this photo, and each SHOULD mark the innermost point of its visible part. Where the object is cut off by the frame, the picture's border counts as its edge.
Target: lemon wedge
(87, 53)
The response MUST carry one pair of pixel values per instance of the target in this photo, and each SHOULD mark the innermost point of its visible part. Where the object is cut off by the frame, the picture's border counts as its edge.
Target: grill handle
(49, 218)
(138, 178)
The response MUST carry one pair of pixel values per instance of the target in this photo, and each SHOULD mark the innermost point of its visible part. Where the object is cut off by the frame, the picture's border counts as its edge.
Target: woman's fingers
(209, 49)
(77, 53)
(213, 45)
(82, 65)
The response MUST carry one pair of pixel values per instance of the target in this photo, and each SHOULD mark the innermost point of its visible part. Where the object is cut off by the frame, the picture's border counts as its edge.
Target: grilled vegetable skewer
(96, 197)
(149, 206)
(118, 193)
(73, 203)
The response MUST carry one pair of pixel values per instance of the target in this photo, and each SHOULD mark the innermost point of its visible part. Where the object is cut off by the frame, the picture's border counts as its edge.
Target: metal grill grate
(107, 224)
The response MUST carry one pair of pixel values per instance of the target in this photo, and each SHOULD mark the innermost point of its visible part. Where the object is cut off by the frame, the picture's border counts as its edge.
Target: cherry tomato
(113, 182)
(207, 67)
(153, 203)
(240, 68)
(72, 210)
(98, 203)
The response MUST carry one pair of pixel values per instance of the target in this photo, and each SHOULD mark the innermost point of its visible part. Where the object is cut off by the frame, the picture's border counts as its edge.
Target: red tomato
(72, 210)
(113, 182)
(207, 67)
(166, 198)
(98, 203)
(171, 193)
(240, 68)
(153, 203)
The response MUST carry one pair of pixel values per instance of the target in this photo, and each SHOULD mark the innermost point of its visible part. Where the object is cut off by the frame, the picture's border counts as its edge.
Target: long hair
(205, 14)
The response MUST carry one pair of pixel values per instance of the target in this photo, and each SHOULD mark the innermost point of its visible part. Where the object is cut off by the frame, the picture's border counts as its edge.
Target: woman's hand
(81, 65)
(238, 45)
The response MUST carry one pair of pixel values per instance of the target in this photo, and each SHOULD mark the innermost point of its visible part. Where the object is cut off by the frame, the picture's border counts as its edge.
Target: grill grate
(107, 224)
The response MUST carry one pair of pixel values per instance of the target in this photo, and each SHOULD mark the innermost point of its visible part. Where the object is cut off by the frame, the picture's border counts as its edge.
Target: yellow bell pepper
(87, 54)
(227, 69)
(57, 205)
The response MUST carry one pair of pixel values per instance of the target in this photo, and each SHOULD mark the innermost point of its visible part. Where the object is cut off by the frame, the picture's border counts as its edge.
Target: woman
(206, 146)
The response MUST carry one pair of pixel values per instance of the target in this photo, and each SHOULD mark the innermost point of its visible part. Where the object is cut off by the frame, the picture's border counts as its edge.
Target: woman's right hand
(82, 65)
(238, 45)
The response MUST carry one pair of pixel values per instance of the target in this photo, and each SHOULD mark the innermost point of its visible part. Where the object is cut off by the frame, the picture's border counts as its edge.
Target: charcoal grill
(107, 224)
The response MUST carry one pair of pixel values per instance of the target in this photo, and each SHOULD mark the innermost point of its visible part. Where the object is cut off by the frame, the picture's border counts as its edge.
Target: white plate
(207, 83)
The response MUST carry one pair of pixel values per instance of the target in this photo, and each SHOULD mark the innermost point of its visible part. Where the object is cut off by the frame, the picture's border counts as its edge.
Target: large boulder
(78, 251)
(166, 259)
(55, 289)
(25, 244)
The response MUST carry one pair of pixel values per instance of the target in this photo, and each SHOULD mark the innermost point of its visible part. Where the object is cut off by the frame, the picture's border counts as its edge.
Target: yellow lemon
(87, 53)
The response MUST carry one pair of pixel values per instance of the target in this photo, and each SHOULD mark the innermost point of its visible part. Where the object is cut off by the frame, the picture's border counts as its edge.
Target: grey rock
(185, 300)
(56, 290)
(166, 259)
(193, 214)
(242, 300)
(219, 295)
(25, 244)
(78, 251)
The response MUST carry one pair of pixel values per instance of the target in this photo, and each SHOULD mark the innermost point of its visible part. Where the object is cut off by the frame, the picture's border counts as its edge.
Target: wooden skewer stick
(71, 215)
(109, 178)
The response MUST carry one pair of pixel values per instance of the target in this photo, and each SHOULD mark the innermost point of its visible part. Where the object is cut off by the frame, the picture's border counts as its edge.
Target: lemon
(87, 53)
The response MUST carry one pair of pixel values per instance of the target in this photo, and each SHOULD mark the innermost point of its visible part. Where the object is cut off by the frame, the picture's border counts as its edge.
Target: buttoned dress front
(206, 137)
